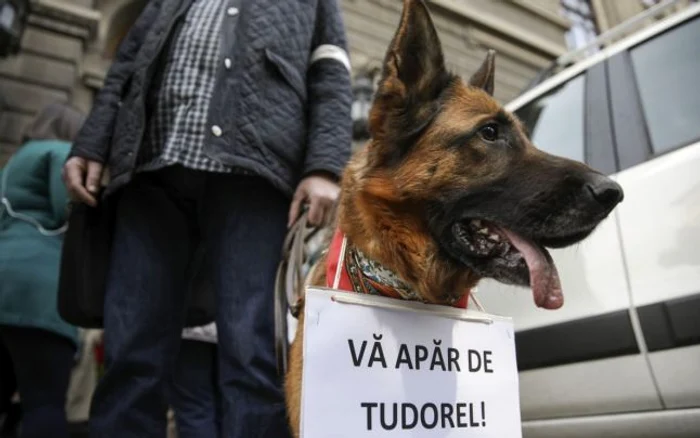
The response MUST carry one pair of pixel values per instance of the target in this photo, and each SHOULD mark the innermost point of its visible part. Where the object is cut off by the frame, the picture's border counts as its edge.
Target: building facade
(67, 46)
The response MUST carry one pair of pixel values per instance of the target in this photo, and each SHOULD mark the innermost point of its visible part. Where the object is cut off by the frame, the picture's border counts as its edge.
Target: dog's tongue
(544, 278)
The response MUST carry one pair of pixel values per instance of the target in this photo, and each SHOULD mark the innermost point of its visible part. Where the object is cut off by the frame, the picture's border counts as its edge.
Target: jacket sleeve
(58, 193)
(329, 94)
(93, 139)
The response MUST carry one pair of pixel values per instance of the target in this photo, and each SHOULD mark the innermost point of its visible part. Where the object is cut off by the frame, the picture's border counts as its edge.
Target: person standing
(217, 121)
(33, 214)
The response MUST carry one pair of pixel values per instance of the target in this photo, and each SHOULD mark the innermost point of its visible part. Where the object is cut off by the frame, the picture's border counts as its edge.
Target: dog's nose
(605, 191)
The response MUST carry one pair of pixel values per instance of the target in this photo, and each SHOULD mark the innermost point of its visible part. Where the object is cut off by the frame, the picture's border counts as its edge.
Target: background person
(194, 392)
(33, 215)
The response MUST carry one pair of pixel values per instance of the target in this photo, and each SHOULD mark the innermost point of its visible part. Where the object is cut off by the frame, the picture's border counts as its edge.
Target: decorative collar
(348, 269)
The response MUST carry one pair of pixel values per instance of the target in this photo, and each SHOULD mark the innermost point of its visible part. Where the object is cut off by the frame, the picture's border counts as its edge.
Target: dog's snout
(605, 191)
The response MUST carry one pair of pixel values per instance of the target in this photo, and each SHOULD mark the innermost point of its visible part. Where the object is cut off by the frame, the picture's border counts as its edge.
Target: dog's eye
(489, 132)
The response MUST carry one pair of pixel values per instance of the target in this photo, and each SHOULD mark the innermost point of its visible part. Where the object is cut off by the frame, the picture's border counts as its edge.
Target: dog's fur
(433, 160)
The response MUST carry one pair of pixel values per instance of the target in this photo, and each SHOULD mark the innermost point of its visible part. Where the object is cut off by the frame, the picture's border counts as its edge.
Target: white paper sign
(410, 371)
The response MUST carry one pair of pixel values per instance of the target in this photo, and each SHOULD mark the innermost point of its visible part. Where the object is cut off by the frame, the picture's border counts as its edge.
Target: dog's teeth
(495, 237)
(484, 231)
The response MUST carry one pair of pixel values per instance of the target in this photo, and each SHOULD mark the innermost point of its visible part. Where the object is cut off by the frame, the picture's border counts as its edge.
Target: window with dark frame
(666, 72)
(555, 120)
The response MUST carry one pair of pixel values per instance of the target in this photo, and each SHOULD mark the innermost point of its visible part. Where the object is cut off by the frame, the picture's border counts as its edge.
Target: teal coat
(29, 260)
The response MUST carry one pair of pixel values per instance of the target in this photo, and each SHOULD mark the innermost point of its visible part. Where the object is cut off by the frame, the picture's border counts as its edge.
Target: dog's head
(445, 152)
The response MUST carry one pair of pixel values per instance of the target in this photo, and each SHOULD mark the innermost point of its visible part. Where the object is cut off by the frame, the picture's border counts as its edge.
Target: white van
(622, 357)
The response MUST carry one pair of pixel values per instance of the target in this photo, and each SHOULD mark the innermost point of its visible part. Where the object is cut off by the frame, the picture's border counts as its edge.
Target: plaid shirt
(176, 133)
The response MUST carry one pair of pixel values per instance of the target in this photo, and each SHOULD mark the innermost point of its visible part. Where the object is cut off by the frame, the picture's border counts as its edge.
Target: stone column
(47, 68)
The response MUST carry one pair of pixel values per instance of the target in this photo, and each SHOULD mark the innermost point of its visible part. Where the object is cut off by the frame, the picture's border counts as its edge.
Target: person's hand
(82, 179)
(320, 192)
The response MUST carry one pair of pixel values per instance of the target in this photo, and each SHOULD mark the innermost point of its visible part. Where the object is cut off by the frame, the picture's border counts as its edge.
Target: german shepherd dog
(450, 190)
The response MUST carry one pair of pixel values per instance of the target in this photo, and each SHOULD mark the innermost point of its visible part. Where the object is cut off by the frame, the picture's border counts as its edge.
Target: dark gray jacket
(282, 115)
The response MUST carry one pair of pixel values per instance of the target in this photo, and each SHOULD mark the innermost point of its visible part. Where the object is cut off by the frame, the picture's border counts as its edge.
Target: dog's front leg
(293, 377)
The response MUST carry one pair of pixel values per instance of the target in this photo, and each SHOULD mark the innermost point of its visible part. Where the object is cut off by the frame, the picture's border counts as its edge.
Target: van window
(667, 69)
(555, 120)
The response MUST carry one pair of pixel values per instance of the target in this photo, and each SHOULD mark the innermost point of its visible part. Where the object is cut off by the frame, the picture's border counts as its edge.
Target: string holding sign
(390, 303)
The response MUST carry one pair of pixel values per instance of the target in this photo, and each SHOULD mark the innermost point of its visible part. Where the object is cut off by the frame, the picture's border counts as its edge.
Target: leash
(297, 257)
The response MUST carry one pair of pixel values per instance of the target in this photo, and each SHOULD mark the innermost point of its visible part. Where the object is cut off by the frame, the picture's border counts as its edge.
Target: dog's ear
(484, 77)
(413, 78)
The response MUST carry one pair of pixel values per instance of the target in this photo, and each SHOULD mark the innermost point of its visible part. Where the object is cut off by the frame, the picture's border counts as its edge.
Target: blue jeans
(162, 218)
(194, 391)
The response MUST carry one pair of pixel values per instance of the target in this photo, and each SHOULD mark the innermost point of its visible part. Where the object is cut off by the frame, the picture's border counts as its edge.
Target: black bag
(84, 263)
(84, 267)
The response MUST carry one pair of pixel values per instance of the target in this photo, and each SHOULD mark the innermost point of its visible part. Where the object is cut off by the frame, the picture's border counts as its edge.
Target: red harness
(345, 283)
